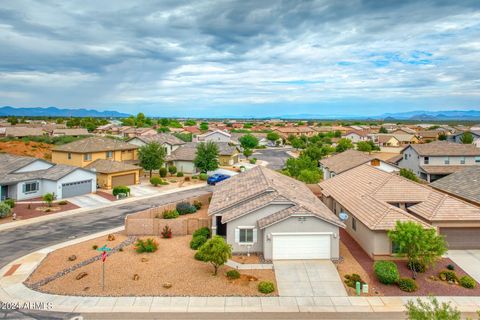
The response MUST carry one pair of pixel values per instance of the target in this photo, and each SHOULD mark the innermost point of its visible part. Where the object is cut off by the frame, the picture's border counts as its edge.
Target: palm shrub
(386, 272)
(5, 210)
(216, 252)
(148, 245)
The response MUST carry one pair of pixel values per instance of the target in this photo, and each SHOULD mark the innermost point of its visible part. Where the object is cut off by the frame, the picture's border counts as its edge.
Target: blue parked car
(216, 178)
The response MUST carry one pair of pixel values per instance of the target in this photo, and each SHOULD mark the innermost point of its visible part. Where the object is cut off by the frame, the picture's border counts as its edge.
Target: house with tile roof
(458, 136)
(464, 184)
(434, 160)
(111, 174)
(166, 140)
(23, 178)
(263, 211)
(375, 200)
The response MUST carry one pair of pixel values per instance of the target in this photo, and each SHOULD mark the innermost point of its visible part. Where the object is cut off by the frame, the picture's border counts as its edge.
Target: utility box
(365, 288)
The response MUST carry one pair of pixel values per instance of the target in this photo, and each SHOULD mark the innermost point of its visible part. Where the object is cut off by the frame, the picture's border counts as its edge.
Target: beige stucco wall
(77, 159)
(105, 180)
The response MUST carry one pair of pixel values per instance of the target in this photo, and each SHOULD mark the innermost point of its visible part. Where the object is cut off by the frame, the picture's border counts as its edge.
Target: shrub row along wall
(145, 222)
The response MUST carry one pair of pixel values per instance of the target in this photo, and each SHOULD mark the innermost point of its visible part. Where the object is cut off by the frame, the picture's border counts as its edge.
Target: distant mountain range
(56, 112)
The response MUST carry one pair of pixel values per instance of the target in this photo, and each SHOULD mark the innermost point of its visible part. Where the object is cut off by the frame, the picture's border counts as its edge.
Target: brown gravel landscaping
(27, 211)
(244, 259)
(172, 263)
(426, 285)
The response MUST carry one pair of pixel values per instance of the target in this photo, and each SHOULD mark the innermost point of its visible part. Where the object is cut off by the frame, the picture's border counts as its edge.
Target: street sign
(104, 250)
(104, 256)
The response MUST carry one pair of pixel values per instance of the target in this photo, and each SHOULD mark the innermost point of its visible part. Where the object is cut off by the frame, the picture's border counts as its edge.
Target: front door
(221, 227)
(4, 192)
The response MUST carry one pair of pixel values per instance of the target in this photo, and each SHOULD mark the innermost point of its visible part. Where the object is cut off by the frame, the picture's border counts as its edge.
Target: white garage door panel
(298, 246)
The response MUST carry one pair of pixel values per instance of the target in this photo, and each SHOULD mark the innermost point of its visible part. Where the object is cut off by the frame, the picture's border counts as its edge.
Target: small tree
(247, 153)
(297, 143)
(207, 156)
(431, 310)
(273, 136)
(172, 170)
(48, 198)
(309, 176)
(382, 130)
(407, 173)
(343, 145)
(248, 141)
(364, 146)
(216, 251)
(467, 138)
(417, 243)
(151, 156)
(204, 126)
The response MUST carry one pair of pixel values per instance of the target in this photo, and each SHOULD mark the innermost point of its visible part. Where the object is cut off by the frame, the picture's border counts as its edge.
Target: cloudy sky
(241, 58)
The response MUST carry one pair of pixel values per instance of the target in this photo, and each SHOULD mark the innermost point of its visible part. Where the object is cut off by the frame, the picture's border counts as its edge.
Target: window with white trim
(30, 187)
(87, 157)
(246, 235)
(109, 154)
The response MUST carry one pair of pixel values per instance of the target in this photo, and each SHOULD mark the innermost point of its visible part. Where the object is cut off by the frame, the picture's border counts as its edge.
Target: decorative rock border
(38, 284)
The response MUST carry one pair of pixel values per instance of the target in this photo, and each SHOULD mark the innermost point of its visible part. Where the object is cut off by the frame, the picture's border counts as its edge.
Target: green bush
(63, 202)
(386, 272)
(10, 202)
(253, 160)
(179, 174)
(185, 208)
(417, 265)
(170, 214)
(407, 285)
(205, 231)
(451, 267)
(155, 180)
(162, 172)
(448, 275)
(5, 210)
(120, 189)
(197, 242)
(197, 204)
(172, 170)
(164, 183)
(233, 274)
(149, 245)
(198, 256)
(351, 280)
(468, 282)
(266, 287)
(203, 176)
(194, 177)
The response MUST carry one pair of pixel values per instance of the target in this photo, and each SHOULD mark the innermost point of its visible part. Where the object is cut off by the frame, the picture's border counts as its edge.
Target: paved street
(23, 240)
(276, 158)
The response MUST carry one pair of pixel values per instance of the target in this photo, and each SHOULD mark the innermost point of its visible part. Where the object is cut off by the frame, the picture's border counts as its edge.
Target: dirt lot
(32, 149)
(173, 262)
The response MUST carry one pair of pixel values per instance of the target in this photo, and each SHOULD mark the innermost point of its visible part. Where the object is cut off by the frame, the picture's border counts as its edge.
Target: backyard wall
(145, 222)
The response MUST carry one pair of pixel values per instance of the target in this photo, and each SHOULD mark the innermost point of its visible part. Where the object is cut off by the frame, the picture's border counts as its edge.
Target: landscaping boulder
(72, 258)
(111, 237)
(136, 277)
(144, 259)
(81, 275)
(167, 285)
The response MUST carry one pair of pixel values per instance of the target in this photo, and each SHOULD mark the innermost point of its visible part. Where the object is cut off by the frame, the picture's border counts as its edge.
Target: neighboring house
(405, 130)
(21, 132)
(24, 178)
(228, 155)
(168, 141)
(457, 137)
(263, 211)
(193, 130)
(349, 159)
(70, 132)
(262, 139)
(437, 159)
(464, 184)
(375, 200)
(138, 132)
(215, 136)
(81, 153)
(385, 140)
(111, 174)
(429, 135)
(285, 132)
(356, 136)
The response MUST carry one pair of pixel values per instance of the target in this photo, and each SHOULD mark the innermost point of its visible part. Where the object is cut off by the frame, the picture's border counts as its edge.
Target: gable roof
(71, 132)
(213, 132)
(110, 166)
(160, 138)
(23, 131)
(259, 187)
(444, 148)
(95, 144)
(464, 184)
(368, 192)
(346, 160)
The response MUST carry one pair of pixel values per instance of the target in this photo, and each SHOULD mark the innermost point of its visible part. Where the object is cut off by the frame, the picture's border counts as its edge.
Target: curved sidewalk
(15, 273)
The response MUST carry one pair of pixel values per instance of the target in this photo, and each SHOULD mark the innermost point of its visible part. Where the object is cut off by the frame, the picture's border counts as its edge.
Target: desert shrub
(194, 177)
(186, 179)
(166, 232)
(233, 274)
(172, 170)
(202, 232)
(162, 172)
(148, 245)
(468, 282)
(179, 174)
(164, 183)
(170, 214)
(407, 285)
(120, 189)
(451, 267)
(63, 202)
(266, 287)
(5, 210)
(418, 266)
(448, 275)
(197, 242)
(48, 198)
(10, 202)
(185, 208)
(197, 204)
(155, 180)
(198, 256)
(253, 160)
(94, 247)
(386, 272)
(203, 176)
(431, 310)
(352, 279)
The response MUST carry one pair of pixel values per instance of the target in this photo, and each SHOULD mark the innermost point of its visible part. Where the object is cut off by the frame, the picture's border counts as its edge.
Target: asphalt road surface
(276, 158)
(20, 241)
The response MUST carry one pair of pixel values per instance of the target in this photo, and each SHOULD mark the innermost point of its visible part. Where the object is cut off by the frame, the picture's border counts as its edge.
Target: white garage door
(301, 246)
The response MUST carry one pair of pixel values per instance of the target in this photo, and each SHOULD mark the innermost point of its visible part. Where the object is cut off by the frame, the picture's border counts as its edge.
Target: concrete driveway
(89, 201)
(468, 260)
(140, 190)
(308, 278)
